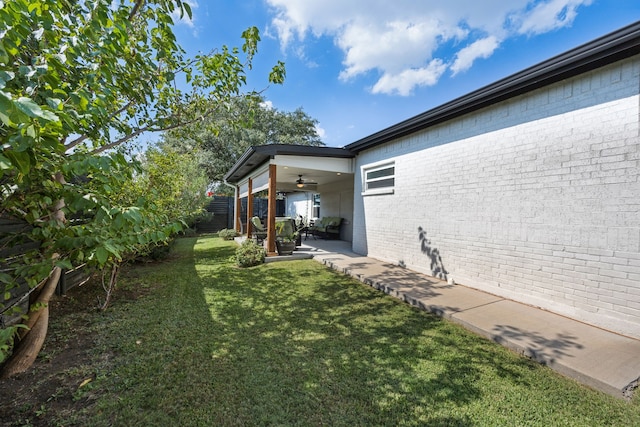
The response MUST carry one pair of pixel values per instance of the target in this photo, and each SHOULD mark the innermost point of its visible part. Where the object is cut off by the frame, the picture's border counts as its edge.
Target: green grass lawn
(293, 343)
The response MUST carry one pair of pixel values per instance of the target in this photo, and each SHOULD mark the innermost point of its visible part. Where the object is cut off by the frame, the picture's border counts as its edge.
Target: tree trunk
(43, 297)
(109, 287)
(31, 340)
(30, 344)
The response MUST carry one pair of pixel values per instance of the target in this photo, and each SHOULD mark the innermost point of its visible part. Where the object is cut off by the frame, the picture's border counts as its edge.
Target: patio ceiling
(317, 165)
(315, 171)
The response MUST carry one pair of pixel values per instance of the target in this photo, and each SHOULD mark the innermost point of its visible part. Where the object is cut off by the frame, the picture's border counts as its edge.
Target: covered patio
(309, 182)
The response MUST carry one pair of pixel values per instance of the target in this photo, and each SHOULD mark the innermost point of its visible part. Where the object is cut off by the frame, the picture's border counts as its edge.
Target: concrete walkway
(600, 359)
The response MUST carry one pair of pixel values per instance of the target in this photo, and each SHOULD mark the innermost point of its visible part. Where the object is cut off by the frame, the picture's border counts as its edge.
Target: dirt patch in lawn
(49, 391)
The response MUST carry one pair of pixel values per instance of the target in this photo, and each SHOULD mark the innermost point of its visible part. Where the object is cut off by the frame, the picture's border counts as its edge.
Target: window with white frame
(316, 206)
(378, 178)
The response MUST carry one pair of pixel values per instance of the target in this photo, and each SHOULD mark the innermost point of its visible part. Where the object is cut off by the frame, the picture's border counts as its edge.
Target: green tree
(165, 194)
(223, 137)
(172, 180)
(78, 79)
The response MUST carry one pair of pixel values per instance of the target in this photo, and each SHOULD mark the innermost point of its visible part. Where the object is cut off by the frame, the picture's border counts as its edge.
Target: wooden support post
(271, 212)
(249, 207)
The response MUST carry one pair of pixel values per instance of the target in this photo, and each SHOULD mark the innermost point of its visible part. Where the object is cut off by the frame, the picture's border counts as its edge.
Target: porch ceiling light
(299, 182)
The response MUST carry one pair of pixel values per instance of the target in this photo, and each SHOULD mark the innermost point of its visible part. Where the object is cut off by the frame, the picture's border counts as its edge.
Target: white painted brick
(586, 307)
(613, 274)
(628, 269)
(587, 257)
(541, 201)
(600, 252)
(615, 302)
(633, 276)
(633, 304)
(631, 312)
(587, 270)
(614, 260)
(584, 300)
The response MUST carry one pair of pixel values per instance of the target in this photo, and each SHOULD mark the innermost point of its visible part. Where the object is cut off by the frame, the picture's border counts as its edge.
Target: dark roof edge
(303, 150)
(241, 161)
(605, 50)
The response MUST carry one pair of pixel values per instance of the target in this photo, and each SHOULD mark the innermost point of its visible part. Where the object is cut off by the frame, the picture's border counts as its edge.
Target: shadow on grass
(393, 280)
(156, 351)
(195, 341)
(294, 343)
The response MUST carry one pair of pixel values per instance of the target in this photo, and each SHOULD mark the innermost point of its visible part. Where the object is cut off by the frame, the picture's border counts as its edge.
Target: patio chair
(327, 227)
(259, 232)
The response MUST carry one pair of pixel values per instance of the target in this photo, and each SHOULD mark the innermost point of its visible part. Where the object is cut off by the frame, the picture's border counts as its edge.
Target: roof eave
(605, 50)
(255, 157)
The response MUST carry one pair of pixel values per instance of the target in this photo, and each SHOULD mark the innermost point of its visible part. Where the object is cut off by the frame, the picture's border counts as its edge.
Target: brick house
(527, 188)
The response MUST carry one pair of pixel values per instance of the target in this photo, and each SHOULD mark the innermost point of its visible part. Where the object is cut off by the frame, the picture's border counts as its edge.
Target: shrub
(159, 252)
(189, 232)
(250, 254)
(227, 234)
(155, 252)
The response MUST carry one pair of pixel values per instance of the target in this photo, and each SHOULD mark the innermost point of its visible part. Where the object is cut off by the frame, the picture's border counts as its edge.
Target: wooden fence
(14, 243)
(220, 209)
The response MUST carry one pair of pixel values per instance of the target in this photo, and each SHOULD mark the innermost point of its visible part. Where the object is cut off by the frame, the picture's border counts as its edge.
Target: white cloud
(413, 43)
(369, 48)
(185, 20)
(405, 81)
(321, 132)
(465, 57)
(267, 105)
(550, 15)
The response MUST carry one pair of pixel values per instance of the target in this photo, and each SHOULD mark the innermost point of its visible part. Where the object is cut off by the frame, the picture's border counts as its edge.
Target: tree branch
(119, 141)
(136, 7)
(83, 138)
(141, 130)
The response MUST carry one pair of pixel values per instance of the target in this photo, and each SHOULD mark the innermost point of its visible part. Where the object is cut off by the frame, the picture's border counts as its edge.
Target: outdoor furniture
(284, 227)
(308, 230)
(259, 232)
(328, 227)
(288, 229)
(287, 235)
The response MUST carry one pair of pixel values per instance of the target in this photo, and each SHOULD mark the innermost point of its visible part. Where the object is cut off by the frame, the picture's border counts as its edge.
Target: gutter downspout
(236, 223)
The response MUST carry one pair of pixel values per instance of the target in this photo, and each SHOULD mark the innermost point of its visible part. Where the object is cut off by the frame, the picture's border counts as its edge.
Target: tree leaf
(4, 163)
(6, 76)
(6, 105)
(20, 160)
(5, 278)
(4, 118)
(102, 255)
(187, 8)
(32, 109)
(64, 264)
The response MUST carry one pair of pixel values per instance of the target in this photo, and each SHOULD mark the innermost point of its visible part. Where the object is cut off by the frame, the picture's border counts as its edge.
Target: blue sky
(359, 66)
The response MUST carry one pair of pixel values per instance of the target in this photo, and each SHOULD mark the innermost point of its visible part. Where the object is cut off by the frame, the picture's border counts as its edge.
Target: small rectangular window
(378, 179)
(316, 206)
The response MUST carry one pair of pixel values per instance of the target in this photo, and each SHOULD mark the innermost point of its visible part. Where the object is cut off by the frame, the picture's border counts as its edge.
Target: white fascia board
(330, 164)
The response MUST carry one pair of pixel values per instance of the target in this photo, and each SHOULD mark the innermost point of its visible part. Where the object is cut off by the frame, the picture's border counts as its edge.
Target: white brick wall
(536, 199)
(337, 200)
(300, 203)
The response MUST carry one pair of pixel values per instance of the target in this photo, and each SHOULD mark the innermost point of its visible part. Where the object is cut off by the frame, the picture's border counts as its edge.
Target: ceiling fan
(300, 183)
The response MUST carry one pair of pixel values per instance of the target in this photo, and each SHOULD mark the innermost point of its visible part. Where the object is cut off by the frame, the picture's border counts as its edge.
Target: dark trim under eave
(613, 47)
